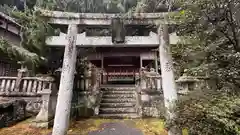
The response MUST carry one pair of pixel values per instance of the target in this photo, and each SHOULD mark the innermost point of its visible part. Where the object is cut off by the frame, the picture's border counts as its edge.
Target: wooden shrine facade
(10, 32)
(122, 64)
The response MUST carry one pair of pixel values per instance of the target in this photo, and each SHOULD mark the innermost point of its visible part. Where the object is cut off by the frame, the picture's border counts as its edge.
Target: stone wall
(11, 111)
(152, 103)
(33, 104)
(86, 105)
(82, 107)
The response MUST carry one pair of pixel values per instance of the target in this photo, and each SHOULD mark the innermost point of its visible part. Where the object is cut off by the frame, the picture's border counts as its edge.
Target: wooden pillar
(141, 62)
(102, 62)
(61, 121)
(104, 75)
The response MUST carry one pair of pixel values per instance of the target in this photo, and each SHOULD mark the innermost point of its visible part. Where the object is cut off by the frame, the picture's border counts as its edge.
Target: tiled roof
(5, 16)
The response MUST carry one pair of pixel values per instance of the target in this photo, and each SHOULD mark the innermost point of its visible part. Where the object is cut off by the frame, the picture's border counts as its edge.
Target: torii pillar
(62, 115)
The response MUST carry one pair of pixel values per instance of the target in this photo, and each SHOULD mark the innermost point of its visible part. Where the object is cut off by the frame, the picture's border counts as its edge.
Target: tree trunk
(62, 115)
(168, 80)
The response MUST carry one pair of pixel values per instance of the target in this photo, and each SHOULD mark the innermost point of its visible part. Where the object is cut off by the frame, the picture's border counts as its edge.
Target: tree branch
(230, 21)
(220, 30)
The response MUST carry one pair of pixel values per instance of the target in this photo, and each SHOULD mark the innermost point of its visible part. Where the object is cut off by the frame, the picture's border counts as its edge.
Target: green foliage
(31, 3)
(105, 6)
(93, 6)
(212, 26)
(209, 113)
(34, 30)
(19, 53)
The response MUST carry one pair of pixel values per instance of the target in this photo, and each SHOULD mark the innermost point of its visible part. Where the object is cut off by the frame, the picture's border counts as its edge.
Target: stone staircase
(118, 101)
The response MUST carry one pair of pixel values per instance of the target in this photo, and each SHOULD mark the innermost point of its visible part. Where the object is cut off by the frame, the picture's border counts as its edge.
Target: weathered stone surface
(58, 17)
(45, 117)
(118, 102)
(86, 104)
(116, 129)
(153, 106)
(46, 124)
(185, 84)
(33, 104)
(11, 111)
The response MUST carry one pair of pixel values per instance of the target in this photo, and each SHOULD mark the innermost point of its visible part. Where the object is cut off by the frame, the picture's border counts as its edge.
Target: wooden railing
(25, 86)
(118, 75)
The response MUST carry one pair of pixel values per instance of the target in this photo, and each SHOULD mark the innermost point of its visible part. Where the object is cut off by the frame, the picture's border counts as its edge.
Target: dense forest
(210, 26)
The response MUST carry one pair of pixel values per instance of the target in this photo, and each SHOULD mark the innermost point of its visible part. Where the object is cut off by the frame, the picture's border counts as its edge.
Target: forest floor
(95, 127)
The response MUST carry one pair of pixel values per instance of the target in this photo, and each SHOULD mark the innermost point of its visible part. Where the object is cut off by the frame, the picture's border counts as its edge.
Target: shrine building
(130, 43)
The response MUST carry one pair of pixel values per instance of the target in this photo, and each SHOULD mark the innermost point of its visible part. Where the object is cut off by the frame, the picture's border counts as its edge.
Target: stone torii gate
(72, 39)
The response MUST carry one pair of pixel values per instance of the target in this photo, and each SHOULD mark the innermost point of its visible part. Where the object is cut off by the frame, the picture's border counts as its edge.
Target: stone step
(118, 92)
(118, 100)
(117, 110)
(117, 86)
(116, 105)
(118, 96)
(118, 89)
(122, 115)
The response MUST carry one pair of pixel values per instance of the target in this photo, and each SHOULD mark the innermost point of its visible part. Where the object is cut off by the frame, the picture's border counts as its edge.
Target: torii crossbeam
(58, 17)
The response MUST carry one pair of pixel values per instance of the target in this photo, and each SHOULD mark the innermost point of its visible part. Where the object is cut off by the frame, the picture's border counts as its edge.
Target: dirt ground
(85, 126)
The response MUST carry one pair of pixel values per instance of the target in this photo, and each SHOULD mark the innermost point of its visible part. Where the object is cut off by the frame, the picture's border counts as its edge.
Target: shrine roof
(8, 23)
(10, 19)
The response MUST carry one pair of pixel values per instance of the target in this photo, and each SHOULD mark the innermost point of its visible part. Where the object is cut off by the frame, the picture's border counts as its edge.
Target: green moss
(84, 126)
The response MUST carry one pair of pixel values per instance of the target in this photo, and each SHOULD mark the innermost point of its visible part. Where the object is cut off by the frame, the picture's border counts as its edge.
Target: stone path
(116, 129)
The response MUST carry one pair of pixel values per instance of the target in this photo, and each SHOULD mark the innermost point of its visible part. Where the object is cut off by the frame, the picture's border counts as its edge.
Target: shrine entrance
(121, 69)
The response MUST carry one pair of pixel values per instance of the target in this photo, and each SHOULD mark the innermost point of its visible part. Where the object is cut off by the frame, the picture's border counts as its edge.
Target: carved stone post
(152, 79)
(94, 79)
(159, 83)
(143, 79)
(21, 73)
(104, 75)
(82, 82)
(45, 117)
(87, 75)
(137, 81)
(138, 94)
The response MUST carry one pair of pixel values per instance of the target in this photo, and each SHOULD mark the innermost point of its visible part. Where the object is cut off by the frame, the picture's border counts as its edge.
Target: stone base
(37, 124)
(11, 111)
